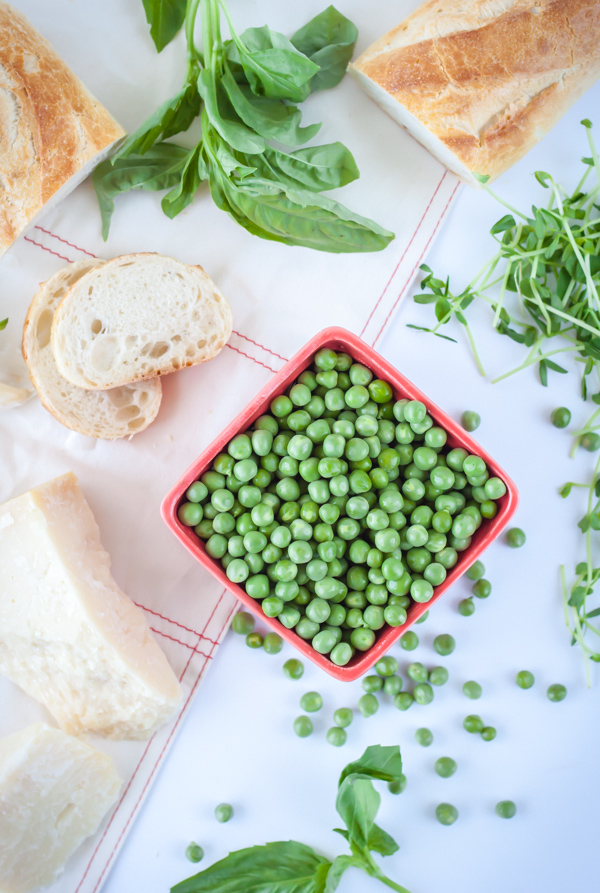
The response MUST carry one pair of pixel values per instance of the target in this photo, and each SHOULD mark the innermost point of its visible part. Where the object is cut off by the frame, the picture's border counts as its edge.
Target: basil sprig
(246, 92)
(290, 867)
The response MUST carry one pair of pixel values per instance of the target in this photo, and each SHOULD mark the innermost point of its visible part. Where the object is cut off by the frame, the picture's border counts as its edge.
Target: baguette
(478, 83)
(119, 412)
(136, 317)
(52, 130)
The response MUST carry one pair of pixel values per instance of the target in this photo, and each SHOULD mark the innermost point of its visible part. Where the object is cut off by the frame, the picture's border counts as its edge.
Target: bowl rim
(338, 339)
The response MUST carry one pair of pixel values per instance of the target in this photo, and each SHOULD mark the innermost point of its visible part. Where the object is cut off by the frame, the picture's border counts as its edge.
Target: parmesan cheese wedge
(68, 636)
(54, 792)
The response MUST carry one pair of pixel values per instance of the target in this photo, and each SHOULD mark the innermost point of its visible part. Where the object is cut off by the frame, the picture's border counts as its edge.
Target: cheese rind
(54, 792)
(68, 635)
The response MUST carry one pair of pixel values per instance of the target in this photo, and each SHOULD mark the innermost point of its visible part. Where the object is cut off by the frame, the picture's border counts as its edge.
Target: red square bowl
(339, 339)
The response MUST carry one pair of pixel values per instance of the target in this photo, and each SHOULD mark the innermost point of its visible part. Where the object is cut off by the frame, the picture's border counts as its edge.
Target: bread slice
(135, 317)
(119, 412)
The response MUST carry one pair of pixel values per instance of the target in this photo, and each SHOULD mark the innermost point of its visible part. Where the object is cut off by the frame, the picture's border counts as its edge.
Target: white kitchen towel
(280, 297)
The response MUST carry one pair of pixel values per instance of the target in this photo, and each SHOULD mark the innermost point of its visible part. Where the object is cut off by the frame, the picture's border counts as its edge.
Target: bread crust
(488, 79)
(50, 124)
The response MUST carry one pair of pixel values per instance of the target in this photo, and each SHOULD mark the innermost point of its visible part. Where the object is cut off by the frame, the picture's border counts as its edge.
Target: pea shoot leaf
(281, 867)
(160, 168)
(565, 490)
(165, 18)
(328, 40)
(3, 323)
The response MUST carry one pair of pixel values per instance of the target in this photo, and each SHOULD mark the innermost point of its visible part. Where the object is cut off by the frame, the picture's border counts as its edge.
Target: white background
(237, 744)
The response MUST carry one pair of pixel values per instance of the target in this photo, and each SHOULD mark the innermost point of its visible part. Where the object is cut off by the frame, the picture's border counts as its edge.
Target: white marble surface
(238, 746)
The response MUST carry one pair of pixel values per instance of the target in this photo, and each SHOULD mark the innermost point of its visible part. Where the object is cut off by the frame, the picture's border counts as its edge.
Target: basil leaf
(273, 66)
(380, 842)
(165, 18)
(384, 763)
(194, 171)
(340, 865)
(173, 116)
(270, 118)
(159, 168)
(297, 217)
(281, 867)
(237, 135)
(357, 803)
(319, 167)
(328, 40)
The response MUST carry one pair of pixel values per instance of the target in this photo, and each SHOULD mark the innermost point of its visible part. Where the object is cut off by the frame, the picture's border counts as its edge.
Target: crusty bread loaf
(135, 317)
(479, 82)
(52, 130)
(119, 412)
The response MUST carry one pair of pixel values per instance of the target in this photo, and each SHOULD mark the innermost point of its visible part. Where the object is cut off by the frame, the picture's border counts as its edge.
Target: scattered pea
(560, 418)
(293, 669)
(336, 736)
(424, 737)
(311, 702)
(194, 852)
(444, 644)
(372, 684)
(387, 666)
(472, 690)
(515, 538)
(409, 640)
(473, 723)
(488, 733)
(343, 717)
(423, 693)
(506, 809)
(392, 685)
(254, 640)
(242, 623)
(368, 705)
(556, 692)
(466, 607)
(476, 571)
(524, 679)
(397, 785)
(446, 813)
(403, 700)
(303, 726)
(445, 767)
(223, 812)
(482, 588)
(438, 676)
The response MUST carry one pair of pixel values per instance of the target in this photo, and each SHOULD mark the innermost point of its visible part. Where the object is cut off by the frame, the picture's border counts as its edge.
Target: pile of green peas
(340, 506)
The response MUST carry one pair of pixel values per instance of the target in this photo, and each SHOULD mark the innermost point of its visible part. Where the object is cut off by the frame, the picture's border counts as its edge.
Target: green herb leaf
(3, 323)
(584, 524)
(565, 489)
(328, 40)
(357, 803)
(273, 66)
(504, 225)
(174, 116)
(192, 174)
(165, 18)
(160, 168)
(270, 118)
(381, 842)
(383, 763)
(282, 867)
(543, 373)
(577, 597)
(237, 135)
(338, 867)
(318, 167)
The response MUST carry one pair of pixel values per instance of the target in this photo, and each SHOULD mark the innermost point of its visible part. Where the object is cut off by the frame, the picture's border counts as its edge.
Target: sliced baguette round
(135, 317)
(120, 412)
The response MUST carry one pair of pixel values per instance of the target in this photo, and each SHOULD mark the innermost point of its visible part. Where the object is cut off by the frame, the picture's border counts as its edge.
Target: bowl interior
(341, 340)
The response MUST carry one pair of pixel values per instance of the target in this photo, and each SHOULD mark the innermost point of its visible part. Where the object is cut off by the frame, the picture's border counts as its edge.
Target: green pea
(213, 481)
(392, 685)
(424, 737)
(336, 736)
(272, 643)
(343, 717)
(318, 610)
(374, 619)
(216, 546)
(190, 514)
(380, 391)
(398, 785)
(525, 679)
(494, 488)
(262, 441)
(444, 644)
(515, 538)
(414, 412)
(311, 702)
(303, 726)
(417, 672)
(325, 359)
(368, 705)
(423, 693)
(590, 442)
(272, 606)
(262, 515)
(362, 638)
(372, 684)
(254, 640)
(445, 767)
(281, 406)
(421, 591)
(394, 615)
(482, 588)
(409, 641)
(505, 809)
(293, 668)
(436, 438)
(242, 623)
(267, 423)
(403, 700)
(438, 676)
(556, 692)
(476, 571)
(194, 853)
(341, 654)
(290, 616)
(473, 723)
(237, 570)
(446, 813)
(472, 690)
(470, 420)
(466, 607)
(560, 418)
(196, 492)
(488, 733)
